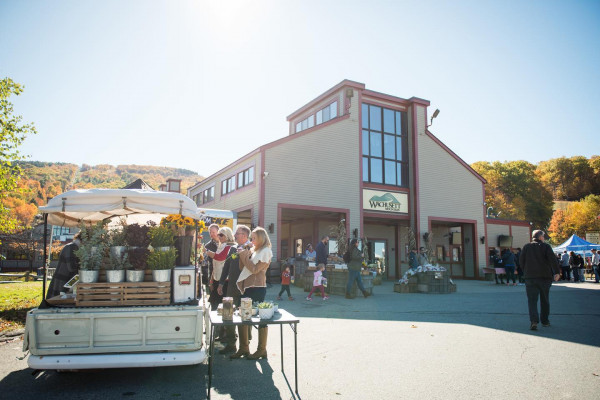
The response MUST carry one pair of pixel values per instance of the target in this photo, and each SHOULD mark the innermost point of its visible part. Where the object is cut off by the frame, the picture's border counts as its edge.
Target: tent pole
(45, 267)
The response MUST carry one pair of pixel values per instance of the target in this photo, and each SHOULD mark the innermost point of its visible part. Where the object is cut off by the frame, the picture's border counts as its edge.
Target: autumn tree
(515, 191)
(578, 218)
(570, 178)
(12, 134)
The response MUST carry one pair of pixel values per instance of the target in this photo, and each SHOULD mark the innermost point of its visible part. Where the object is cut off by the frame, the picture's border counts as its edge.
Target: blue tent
(577, 244)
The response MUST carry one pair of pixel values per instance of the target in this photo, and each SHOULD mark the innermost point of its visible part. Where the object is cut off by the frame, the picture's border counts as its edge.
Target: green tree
(515, 191)
(12, 134)
(571, 178)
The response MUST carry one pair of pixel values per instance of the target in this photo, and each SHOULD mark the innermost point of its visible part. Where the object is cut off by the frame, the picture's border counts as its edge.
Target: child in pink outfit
(318, 283)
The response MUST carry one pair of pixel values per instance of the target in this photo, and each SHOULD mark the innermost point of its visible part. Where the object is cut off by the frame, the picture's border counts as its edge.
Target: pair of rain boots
(244, 350)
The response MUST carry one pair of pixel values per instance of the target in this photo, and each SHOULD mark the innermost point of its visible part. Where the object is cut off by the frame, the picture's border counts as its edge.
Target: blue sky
(198, 84)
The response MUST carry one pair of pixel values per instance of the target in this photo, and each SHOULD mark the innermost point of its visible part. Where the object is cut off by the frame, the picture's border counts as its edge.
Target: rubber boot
(244, 350)
(261, 351)
(348, 295)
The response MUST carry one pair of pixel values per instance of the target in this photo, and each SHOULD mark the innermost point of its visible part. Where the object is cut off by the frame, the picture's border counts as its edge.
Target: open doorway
(378, 254)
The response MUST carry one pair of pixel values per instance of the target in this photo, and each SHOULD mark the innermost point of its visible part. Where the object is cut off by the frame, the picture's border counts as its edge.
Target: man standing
(230, 274)
(540, 267)
(212, 245)
(564, 266)
(423, 260)
(68, 264)
(413, 259)
(596, 264)
(322, 251)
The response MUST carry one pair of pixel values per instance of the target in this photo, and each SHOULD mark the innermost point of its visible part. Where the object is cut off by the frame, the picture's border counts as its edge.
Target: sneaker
(546, 324)
(309, 298)
(533, 326)
(290, 298)
(278, 297)
(325, 298)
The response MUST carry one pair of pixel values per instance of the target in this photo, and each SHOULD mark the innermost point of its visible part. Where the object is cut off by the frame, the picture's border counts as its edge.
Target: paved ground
(468, 345)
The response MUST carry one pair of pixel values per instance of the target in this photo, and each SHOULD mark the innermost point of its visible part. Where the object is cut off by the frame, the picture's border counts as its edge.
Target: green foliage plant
(94, 245)
(162, 259)
(265, 304)
(118, 235)
(118, 263)
(161, 236)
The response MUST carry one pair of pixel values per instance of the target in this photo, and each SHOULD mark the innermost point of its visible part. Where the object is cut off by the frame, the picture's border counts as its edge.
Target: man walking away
(540, 266)
(596, 264)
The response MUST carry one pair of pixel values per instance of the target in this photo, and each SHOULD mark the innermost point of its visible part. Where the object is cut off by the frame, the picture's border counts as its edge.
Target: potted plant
(91, 252)
(115, 270)
(183, 228)
(161, 237)
(161, 263)
(265, 310)
(137, 239)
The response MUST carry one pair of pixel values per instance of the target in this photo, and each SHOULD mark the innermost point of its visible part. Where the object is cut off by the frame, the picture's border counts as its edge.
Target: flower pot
(265, 313)
(115, 275)
(134, 275)
(118, 251)
(161, 275)
(183, 244)
(88, 276)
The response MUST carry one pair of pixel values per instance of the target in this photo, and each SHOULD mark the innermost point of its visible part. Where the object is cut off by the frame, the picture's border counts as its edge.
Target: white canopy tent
(94, 205)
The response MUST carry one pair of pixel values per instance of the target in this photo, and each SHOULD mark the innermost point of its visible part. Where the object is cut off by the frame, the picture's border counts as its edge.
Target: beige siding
(320, 168)
(447, 189)
(240, 198)
(520, 235)
(495, 230)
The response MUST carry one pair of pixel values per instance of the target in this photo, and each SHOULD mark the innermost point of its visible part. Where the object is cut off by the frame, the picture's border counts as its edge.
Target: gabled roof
(139, 184)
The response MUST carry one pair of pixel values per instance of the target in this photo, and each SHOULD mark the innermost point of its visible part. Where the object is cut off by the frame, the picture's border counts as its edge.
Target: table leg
(281, 336)
(296, 355)
(210, 358)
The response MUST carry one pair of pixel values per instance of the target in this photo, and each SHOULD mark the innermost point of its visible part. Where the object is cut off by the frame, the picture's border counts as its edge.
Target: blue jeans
(597, 272)
(354, 276)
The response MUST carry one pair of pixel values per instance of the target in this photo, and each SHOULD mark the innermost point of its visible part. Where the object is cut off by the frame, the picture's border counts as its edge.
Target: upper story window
(323, 115)
(206, 196)
(228, 185)
(384, 146)
(245, 177)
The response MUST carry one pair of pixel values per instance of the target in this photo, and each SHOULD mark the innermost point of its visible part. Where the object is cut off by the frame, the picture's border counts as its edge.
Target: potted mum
(265, 310)
(161, 263)
(91, 252)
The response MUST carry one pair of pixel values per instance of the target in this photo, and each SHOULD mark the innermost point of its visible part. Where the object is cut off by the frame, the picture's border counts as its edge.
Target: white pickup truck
(74, 337)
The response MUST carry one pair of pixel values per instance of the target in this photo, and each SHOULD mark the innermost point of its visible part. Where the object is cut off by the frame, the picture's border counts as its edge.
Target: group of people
(237, 268)
(572, 266)
(509, 261)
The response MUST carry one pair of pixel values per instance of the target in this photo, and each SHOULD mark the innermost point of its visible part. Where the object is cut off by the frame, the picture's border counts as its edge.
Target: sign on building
(593, 237)
(377, 200)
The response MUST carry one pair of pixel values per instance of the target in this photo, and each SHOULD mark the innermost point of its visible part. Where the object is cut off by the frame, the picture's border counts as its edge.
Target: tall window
(245, 177)
(384, 146)
(205, 196)
(228, 185)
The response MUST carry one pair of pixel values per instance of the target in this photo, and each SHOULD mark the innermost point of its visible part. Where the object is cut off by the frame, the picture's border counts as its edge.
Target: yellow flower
(234, 256)
(180, 223)
(168, 218)
(189, 221)
(176, 217)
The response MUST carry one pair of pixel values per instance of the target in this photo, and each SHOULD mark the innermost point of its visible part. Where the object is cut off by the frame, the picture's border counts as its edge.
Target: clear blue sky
(198, 84)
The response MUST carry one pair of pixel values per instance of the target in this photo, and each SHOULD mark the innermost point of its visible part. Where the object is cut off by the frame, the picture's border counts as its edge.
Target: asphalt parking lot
(475, 343)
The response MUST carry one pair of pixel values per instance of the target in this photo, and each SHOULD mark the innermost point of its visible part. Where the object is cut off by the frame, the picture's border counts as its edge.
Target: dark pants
(575, 274)
(520, 272)
(510, 274)
(565, 273)
(286, 288)
(596, 272)
(538, 288)
(354, 276)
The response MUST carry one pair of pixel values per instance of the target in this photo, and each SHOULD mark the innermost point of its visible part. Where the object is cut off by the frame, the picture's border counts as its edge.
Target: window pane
(376, 172)
(304, 124)
(375, 118)
(389, 146)
(240, 179)
(311, 121)
(212, 192)
(319, 117)
(232, 184)
(298, 127)
(224, 187)
(365, 169)
(326, 114)
(399, 148)
(250, 174)
(333, 110)
(399, 174)
(390, 172)
(365, 116)
(398, 123)
(388, 121)
(365, 143)
(376, 144)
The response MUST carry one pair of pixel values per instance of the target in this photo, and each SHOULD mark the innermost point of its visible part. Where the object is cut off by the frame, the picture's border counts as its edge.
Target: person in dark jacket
(354, 267)
(574, 264)
(212, 245)
(227, 283)
(508, 260)
(539, 267)
(322, 252)
(68, 264)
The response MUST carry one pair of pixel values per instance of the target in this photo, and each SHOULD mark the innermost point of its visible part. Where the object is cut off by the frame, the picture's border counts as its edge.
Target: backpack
(347, 256)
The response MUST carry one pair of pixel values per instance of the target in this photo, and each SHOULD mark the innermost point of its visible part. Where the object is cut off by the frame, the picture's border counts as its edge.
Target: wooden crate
(123, 294)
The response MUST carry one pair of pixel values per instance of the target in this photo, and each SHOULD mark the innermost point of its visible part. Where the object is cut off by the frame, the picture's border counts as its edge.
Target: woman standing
(253, 283)
(226, 245)
(574, 264)
(354, 267)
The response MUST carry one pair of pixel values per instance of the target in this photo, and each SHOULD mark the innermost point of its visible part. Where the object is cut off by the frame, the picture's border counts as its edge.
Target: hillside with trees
(524, 191)
(42, 180)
